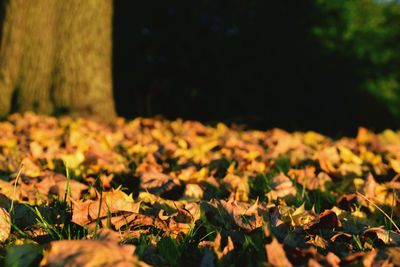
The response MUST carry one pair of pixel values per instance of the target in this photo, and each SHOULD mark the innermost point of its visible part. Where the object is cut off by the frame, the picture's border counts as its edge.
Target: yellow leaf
(395, 164)
(73, 160)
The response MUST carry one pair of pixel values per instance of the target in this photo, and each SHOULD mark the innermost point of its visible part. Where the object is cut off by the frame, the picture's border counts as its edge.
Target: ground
(168, 193)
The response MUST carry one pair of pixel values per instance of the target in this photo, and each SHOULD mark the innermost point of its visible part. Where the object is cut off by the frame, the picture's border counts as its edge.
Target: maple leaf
(241, 214)
(112, 202)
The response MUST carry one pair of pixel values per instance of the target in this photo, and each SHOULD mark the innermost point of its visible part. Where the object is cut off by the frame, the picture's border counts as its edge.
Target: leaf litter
(77, 192)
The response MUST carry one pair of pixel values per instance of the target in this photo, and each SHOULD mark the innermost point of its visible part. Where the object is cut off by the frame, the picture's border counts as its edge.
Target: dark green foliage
(367, 33)
(169, 250)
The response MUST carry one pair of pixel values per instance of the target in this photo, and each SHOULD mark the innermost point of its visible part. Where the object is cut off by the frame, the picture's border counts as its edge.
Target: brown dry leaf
(134, 220)
(30, 168)
(386, 236)
(359, 259)
(276, 254)
(388, 256)
(365, 136)
(56, 184)
(243, 215)
(328, 159)
(307, 177)
(112, 202)
(369, 258)
(177, 228)
(5, 224)
(193, 191)
(157, 182)
(222, 252)
(282, 186)
(181, 221)
(285, 142)
(106, 180)
(369, 187)
(74, 191)
(313, 263)
(182, 216)
(194, 209)
(332, 259)
(10, 190)
(80, 212)
(380, 194)
(238, 185)
(105, 252)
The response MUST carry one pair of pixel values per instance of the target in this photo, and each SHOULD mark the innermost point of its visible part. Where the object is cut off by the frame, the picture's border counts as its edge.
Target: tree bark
(55, 57)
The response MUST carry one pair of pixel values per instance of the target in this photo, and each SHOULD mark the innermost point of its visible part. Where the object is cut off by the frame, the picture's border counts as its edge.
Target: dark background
(288, 64)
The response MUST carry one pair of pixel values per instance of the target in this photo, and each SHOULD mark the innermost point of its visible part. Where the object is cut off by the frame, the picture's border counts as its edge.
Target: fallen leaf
(282, 186)
(245, 216)
(135, 220)
(157, 183)
(332, 259)
(193, 191)
(386, 236)
(225, 251)
(90, 253)
(238, 185)
(112, 202)
(276, 254)
(5, 224)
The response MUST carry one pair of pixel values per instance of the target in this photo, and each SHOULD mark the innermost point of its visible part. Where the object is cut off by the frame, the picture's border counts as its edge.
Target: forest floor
(75, 192)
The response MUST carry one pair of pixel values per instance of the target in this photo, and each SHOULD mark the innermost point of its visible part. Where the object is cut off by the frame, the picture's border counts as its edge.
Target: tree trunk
(55, 57)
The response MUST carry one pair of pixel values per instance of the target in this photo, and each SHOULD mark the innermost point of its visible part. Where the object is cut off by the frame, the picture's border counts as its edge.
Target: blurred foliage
(367, 31)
